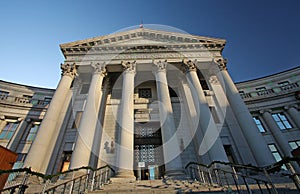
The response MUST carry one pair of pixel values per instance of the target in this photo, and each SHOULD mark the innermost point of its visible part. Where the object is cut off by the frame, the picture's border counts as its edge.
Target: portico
(145, 101)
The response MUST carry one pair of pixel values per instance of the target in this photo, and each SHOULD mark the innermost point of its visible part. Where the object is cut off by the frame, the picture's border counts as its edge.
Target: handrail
(47, 178)
(210, 168)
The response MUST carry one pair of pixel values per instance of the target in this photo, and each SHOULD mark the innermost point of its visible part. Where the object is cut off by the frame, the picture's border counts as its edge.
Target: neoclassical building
(148, 102)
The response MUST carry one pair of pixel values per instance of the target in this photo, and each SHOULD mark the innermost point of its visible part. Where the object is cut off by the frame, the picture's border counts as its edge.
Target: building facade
(148, 102)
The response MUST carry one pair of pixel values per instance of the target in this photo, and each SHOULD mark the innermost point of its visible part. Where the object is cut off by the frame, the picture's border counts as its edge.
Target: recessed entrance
(148, 151)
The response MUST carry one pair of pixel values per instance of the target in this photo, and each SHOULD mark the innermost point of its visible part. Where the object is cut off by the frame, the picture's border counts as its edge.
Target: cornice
(158, 40)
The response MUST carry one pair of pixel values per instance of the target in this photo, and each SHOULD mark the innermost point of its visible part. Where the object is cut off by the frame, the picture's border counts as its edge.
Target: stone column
(14, 142)
(126, 122)
(294, 114)
(260, 150)
(37, 157)
(87, 127)
(279, 137)
(211, 141)
(171, 148)
(276, 132)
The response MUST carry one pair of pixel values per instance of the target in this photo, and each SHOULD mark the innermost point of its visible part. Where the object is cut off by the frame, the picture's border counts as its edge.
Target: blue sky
(262, 36)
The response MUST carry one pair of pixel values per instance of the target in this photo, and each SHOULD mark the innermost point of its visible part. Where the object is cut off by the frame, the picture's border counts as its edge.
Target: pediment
(142, 36)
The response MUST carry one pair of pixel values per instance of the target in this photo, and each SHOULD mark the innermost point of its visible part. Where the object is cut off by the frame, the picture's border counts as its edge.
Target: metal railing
(244, 178)
(87, 179)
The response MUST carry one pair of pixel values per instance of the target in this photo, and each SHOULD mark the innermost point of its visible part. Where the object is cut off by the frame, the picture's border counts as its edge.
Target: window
(281, 121)
(85, 89)
(275, 152)
(294, 144)
(9, 130)
(47, 100)
(259, 124)
(145, 93)
(77, 120)
(33, 131)
(3, 95)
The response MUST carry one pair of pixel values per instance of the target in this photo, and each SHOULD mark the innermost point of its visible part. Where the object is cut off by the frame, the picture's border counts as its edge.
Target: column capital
(68, 70)
(291, 106)
(265, 110)
(160, 65)
(99, 69)
(221, 62)
(189, 65)
(129, 67)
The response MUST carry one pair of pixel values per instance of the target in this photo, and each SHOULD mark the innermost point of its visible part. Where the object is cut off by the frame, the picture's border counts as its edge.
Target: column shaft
(280, 139)
(295, 115)
(171, 148)
(14, 142)
(277, 134)
(87, 127)
(260, 150)
(211, 141)
(37, 158)
(126, 152)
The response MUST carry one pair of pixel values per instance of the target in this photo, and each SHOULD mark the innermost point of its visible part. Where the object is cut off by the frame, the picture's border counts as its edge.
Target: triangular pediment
(143, 36)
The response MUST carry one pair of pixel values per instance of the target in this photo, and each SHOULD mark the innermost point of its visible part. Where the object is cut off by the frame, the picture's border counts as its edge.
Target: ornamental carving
(129, 66)
(68, 70)
(189, 65)
(221, 63)
(99, 68)
(160, 65)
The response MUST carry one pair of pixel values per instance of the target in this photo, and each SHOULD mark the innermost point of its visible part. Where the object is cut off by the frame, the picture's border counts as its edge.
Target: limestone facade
(147, 101)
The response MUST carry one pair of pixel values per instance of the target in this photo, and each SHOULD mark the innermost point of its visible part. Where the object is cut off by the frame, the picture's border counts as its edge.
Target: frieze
(121, 56)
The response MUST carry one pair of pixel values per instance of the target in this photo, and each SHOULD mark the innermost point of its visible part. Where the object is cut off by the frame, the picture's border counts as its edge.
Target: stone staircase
(158, 187)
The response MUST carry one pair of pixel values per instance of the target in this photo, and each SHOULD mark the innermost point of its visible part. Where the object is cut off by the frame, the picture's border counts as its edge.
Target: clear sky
(262, 36)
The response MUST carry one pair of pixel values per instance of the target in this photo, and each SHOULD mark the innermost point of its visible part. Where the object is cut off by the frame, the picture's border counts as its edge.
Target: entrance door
(148, 151)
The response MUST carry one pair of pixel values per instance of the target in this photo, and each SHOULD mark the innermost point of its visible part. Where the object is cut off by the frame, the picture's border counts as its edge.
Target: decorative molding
(99, 68)
(160, 65)
(129, 67)
(221, 63)
(189, 65)
(68, 70)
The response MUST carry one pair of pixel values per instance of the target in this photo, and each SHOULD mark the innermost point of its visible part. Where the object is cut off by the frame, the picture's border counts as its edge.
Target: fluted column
(294, 114)
(37, 158)
(15, 140)
(171, 148)
(126, 151)
(211, 141)
(87, 127)
(279, 137)
(260, 150)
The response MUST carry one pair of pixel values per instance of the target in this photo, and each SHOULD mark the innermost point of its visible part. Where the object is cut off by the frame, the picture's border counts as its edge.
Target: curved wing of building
(148, 102)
